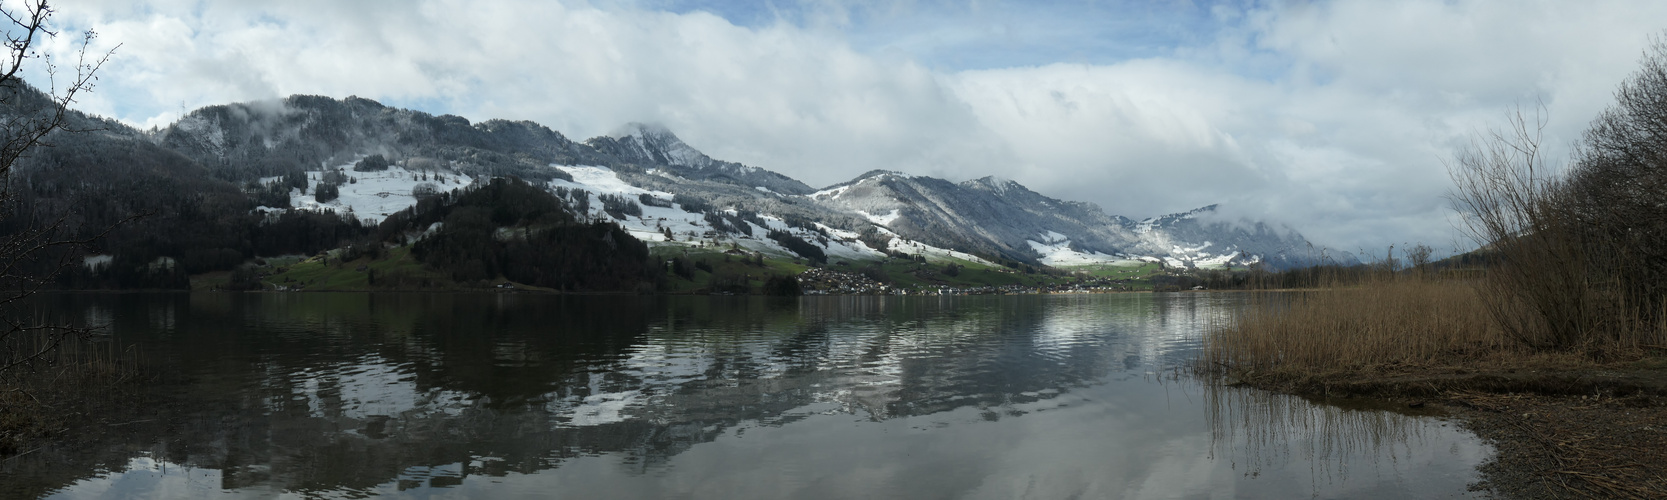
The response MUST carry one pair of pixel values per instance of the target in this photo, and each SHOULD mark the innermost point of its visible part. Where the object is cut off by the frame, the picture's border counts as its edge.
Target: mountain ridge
(993, 217)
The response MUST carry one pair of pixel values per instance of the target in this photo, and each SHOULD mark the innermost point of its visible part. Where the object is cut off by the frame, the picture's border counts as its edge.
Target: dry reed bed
(1406, 325)
(1389, 323)
(37, 398)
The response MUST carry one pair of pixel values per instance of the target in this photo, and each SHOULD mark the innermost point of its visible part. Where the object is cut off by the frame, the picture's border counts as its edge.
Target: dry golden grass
(1397, 322)
(1404, 323)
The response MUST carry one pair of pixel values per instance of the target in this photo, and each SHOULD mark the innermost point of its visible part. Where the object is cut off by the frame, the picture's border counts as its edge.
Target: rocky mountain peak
(1000, 187)
(990, 182)
(652, 145)
(881, 173)
(640, 129)
(1169, 220)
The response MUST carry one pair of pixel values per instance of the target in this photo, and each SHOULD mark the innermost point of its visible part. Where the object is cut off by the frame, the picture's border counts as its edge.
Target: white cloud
(1329, 116)
(1126, 134)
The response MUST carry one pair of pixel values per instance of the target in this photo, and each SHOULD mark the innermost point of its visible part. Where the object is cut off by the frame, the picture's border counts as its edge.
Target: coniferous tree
(326, 193)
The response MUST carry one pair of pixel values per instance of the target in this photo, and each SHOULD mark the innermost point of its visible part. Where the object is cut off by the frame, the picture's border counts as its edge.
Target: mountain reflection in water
(508, 395)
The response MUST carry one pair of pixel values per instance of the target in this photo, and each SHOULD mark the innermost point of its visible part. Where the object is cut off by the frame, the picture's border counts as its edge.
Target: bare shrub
(1541, 287)
(1579, 258)
(1618, 196)
(1576, 260)
(1418, 259)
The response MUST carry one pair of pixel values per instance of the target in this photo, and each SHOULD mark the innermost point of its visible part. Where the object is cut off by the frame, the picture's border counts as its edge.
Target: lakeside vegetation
(52, 368)
(1394, 323)
(47, 377)
(1572, 261)
(1554, 349)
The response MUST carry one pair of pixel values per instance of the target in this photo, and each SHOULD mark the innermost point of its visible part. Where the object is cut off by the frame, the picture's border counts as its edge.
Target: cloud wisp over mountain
(1332, 117)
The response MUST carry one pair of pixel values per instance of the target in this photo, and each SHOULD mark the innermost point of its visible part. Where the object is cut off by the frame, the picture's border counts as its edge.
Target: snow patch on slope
(691, 229)
(934, 254)
(372, 196)
(599, 180)
(1056, 250)
(1053, 238)
(827, 194)
(884, 220)
(654, 222)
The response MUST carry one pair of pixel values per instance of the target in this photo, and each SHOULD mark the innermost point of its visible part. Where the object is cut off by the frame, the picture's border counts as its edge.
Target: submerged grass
(39, 399)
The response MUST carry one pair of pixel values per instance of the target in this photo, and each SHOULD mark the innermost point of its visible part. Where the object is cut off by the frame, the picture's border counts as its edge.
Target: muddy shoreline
(1595, 432)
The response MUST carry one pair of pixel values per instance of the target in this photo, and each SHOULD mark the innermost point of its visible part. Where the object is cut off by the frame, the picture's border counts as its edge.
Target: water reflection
(329, 395)
(1257, 431)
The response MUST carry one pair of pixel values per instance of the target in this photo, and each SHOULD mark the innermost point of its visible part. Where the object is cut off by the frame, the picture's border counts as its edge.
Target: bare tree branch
(1579, 257)
(27, 120)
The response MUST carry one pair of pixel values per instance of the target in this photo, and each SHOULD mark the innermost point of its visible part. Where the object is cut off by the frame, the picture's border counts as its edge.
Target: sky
(1335, 118)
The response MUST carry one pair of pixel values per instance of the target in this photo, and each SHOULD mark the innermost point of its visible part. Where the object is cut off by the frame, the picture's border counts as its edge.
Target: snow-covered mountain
(1004, 218)
(988, 216)
(1203, 237)
(688, 223)
(682, 191)
(653, 146)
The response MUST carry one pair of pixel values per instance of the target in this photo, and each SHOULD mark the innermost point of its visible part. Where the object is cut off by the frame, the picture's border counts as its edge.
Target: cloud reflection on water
(344, 395)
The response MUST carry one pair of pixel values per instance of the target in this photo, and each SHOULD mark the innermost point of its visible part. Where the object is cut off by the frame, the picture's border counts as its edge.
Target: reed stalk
(1393, 322)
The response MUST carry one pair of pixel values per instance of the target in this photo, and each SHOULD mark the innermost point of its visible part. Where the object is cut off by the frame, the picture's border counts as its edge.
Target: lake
(320, 395)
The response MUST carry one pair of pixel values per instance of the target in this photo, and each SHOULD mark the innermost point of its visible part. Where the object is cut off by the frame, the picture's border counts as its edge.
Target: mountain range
(678, 195)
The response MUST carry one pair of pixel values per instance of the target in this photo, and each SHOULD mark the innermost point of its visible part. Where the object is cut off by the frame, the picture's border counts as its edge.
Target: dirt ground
(1594, 432)
(1596, 446)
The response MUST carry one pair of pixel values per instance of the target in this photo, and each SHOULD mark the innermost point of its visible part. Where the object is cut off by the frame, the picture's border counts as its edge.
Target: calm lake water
(533, 396)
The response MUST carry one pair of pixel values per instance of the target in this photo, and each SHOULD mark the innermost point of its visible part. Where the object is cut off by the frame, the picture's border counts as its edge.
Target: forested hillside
(508, 228)
(155, 208)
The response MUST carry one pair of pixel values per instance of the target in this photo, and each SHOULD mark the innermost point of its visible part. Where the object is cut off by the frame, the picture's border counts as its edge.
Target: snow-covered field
(830, 193)
(1056, 251)
(1202, 257)
(691, 229)
(884, 220)
(933, 254)
(372, 196)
